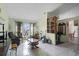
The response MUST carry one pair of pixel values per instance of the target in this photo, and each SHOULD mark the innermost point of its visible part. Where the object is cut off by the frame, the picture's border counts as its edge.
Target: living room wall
(4, 19)
(42, 27)
(12, 25)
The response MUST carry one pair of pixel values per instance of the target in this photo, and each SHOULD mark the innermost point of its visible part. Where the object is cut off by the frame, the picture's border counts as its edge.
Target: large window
(27, 29)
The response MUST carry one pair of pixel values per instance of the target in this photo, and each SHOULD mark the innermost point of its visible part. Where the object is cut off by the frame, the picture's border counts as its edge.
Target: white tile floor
(44, 49)
(57, 50)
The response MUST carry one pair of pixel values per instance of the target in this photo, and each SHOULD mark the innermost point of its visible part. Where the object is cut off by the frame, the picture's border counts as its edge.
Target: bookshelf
(52, 24)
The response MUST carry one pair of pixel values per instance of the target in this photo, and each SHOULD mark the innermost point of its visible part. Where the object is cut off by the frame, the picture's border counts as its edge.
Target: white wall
(42, 27)
(3, 17)
(42, 23)
(12, 25)
(4, 20)
(71, 26)
(76, 31)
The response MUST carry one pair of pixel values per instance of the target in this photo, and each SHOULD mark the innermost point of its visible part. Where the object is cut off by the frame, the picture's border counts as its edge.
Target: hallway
(66, 49)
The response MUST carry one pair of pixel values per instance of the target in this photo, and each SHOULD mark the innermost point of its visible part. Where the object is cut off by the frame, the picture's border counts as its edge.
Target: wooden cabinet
(52, 24)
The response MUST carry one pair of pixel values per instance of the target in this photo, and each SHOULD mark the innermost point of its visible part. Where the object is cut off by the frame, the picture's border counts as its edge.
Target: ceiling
(29, 11)
(63, 9)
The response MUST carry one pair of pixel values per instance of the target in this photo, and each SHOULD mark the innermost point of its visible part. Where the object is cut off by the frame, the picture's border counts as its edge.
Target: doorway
(69, 30)
(73, 31)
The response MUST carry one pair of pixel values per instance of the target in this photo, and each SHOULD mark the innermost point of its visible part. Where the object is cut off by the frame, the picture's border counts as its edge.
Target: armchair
(14, 38)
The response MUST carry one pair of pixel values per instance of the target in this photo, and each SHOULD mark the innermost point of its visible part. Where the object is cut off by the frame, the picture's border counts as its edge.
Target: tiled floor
(25, 50)
(44, 49)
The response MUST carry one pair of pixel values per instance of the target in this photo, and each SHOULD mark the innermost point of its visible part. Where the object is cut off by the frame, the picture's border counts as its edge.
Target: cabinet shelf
(51, 24)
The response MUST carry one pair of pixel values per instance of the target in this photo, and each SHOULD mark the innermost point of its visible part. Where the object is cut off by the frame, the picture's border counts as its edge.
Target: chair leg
(16, 52)
(36, 46)
(3, 43)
